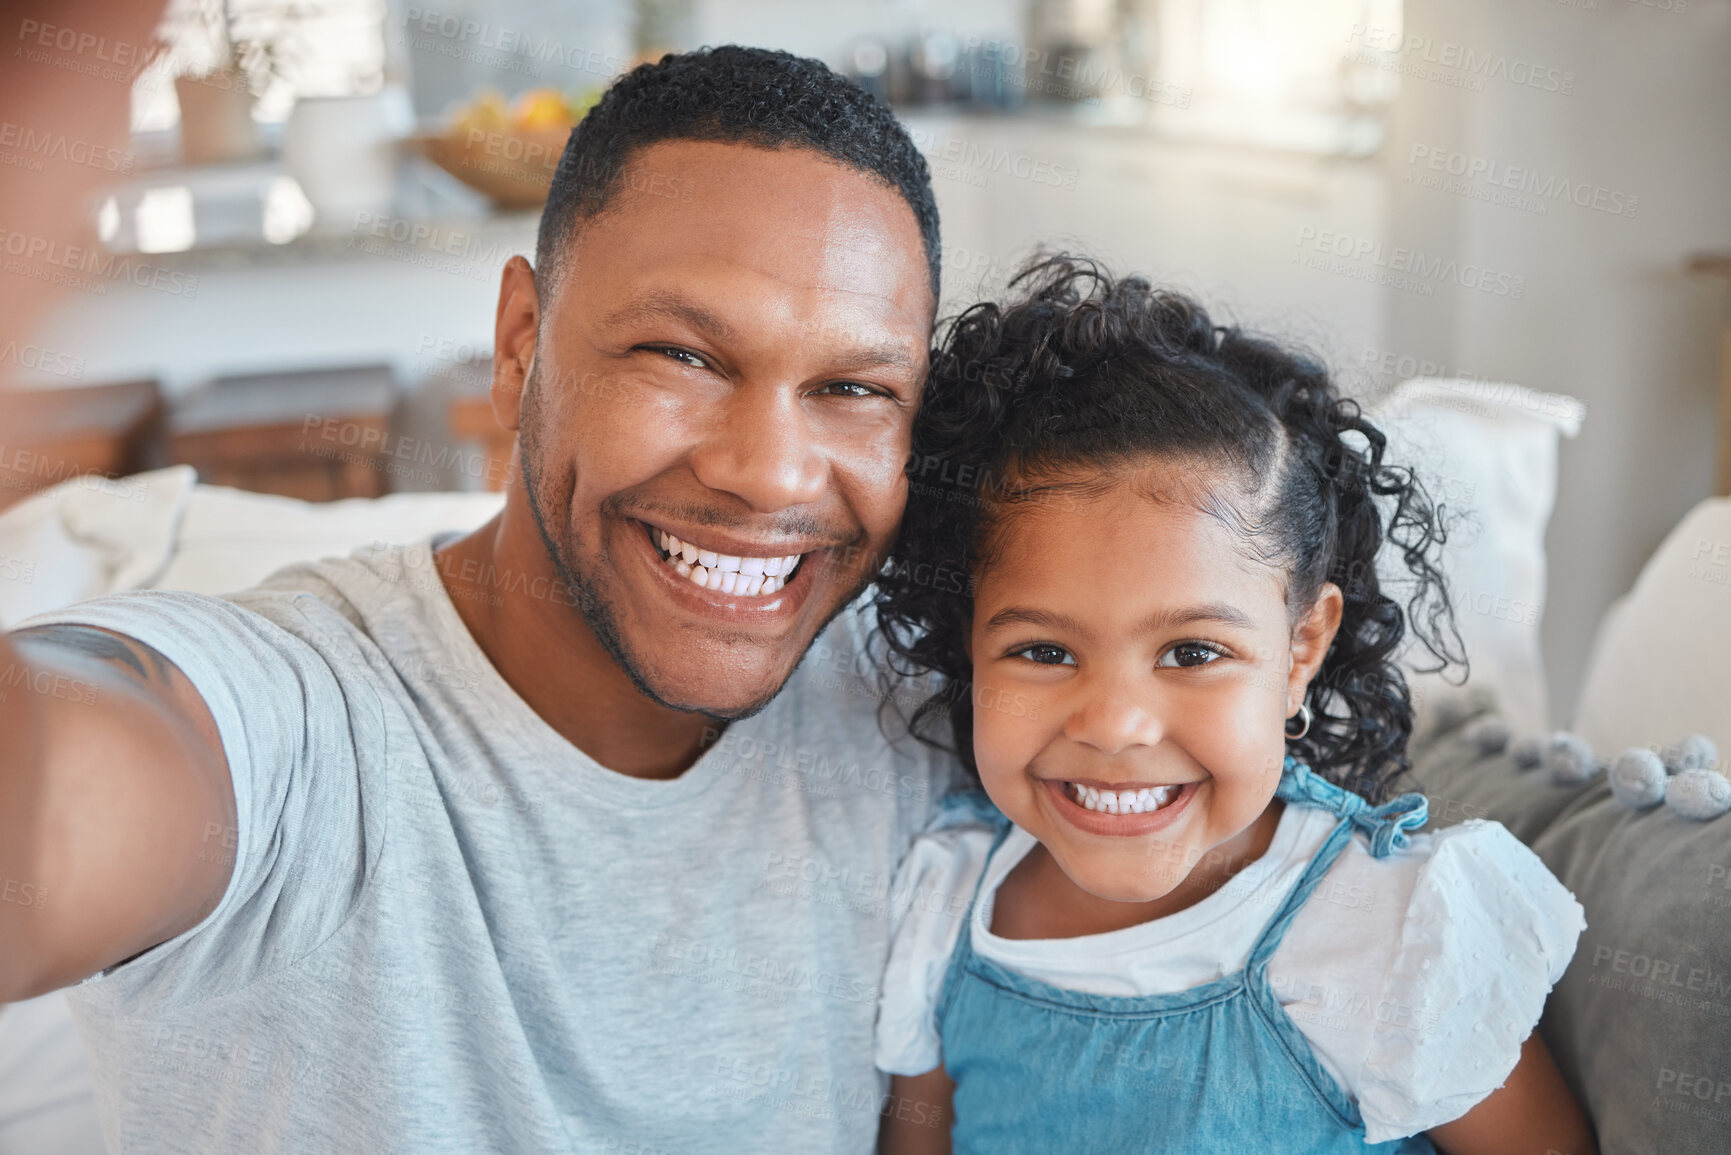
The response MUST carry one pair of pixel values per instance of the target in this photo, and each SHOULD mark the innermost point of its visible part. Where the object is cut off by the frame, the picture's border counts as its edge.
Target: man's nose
(1111, 717)
(760, 448)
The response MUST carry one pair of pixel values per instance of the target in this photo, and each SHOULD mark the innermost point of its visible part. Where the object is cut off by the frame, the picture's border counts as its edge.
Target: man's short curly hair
(732, 94)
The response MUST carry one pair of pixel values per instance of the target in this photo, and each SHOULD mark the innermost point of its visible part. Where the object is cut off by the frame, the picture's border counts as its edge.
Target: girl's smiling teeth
(745, 576)
(1141, 801)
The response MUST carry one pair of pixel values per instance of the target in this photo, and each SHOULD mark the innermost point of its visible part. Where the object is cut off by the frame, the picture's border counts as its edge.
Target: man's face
(731, 358)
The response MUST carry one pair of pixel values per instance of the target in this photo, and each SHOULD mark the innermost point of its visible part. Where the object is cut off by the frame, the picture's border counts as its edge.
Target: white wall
(827, 29)
(1217, 222)
(1608, 313)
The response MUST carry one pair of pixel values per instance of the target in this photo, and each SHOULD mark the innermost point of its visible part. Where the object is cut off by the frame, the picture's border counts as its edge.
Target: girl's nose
(1112, 720)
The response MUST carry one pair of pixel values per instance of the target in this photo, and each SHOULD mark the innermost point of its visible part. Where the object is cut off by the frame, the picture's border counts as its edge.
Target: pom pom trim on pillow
(1684, 774)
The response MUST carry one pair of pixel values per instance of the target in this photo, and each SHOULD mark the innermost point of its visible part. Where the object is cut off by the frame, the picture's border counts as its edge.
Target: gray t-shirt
(449, 930)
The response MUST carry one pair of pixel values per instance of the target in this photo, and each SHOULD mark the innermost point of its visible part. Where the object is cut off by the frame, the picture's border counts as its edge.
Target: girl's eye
(1188, 654)
(848, 389)
(1044, 654)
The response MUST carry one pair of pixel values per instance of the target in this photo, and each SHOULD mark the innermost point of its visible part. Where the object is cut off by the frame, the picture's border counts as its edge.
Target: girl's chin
(1129, 898)
(1100, 881)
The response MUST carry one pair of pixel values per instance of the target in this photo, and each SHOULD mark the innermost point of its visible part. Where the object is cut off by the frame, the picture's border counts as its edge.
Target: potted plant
(216, 97)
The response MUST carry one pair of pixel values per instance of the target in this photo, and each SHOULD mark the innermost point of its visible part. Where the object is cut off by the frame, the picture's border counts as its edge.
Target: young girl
(1201, 928)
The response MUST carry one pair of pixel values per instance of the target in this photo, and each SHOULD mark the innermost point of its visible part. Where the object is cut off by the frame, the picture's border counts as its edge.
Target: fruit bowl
(513, 168)
(510, 153)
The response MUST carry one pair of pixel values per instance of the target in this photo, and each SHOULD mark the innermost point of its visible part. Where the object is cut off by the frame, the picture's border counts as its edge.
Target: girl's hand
(1531, 1114)
(916, 1119)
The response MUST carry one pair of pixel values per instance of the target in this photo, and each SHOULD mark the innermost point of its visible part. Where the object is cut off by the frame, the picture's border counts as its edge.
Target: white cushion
(47, 1104)
(1488, 453)
(89, 536)
(159, 530)
(229, 539)
(1661, 664)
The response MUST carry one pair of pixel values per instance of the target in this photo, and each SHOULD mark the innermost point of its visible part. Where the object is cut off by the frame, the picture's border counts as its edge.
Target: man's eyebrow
(665, 304)
(1217, 612)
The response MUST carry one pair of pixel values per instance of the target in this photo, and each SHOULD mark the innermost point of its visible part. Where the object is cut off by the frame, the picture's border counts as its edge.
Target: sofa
(1641, 1022)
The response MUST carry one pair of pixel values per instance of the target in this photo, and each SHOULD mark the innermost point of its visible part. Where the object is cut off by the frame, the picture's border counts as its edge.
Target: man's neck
(547, 653)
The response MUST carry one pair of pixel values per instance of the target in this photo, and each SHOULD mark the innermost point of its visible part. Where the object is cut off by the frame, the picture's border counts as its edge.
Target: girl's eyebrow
(1018, 615)
(1217, 612)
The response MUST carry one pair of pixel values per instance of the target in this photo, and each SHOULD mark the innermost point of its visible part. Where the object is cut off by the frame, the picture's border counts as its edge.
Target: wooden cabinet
(318, 435)
(49, 435)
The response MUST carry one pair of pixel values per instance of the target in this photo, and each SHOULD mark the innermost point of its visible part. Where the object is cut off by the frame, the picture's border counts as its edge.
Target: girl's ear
(1311, 638)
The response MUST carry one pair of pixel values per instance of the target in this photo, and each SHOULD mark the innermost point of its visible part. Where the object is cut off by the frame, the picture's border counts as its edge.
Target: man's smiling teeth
(747, 576)
(1122, 801)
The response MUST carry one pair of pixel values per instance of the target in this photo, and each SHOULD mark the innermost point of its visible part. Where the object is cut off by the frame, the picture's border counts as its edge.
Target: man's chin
(722, 673)
(695, 694)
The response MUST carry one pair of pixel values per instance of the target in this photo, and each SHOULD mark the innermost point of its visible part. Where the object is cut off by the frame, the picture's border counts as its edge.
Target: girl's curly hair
(1082, 373)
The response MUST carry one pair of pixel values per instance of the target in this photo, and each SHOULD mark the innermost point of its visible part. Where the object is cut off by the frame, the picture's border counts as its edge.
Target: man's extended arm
(117, 813)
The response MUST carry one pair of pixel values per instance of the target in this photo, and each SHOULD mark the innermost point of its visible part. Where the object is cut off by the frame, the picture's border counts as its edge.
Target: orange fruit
(541, 108)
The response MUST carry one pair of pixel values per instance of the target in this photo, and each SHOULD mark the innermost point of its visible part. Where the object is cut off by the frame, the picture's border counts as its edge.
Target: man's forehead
(788, 216)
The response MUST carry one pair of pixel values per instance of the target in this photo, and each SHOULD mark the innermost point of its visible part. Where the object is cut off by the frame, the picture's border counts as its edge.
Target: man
(534, 840)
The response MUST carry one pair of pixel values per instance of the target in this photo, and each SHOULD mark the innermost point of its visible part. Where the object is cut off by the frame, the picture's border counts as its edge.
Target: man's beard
(599, 613)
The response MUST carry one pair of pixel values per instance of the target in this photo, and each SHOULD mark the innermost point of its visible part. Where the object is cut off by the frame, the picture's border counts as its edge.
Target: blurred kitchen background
(319, 195)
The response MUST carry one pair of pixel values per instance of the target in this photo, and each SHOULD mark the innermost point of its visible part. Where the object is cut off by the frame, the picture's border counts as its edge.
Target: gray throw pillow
(1641, 1021)
(1463, 781)
(1640, 1024)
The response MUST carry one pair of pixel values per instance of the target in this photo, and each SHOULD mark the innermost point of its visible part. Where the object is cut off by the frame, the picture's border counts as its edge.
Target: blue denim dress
(1217, 1068)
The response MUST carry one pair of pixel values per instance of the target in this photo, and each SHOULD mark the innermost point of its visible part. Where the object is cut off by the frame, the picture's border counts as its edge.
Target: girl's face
(1133, 671)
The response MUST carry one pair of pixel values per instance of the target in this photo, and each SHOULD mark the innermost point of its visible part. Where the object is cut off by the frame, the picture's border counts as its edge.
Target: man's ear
(514, 327)
(1311, 638)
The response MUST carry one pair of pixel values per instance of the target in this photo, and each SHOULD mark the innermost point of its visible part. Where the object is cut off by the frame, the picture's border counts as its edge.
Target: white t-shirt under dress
(1415, 977)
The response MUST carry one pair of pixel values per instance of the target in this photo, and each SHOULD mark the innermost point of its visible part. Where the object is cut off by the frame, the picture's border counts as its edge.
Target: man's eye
(683, 356)
(1188, 654)
(1045, 655)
